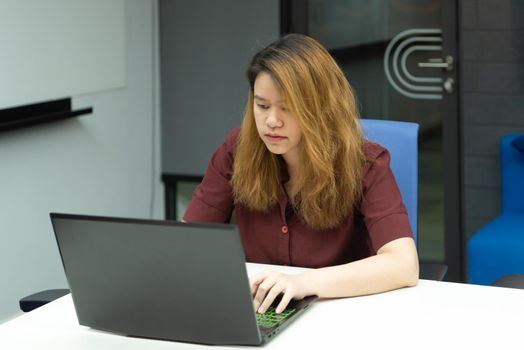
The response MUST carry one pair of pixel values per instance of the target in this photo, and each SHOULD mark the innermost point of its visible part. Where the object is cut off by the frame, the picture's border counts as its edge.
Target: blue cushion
(518, 143)
(496, 249)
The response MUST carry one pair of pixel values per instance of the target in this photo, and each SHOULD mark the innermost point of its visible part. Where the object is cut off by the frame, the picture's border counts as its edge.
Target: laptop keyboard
(271, 319)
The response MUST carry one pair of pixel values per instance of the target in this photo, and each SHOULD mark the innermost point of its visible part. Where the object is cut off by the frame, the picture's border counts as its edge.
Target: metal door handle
(433, 65)
(438, 63)
(449, 85)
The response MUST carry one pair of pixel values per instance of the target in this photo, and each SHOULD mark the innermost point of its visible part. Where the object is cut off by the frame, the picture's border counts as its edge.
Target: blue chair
(401, 140)
(497, 249)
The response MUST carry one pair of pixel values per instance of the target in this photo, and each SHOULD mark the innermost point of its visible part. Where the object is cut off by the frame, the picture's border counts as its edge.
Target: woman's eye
(261, 106)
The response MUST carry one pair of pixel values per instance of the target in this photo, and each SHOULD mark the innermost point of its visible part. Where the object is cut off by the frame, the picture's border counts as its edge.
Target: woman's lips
(275, 138)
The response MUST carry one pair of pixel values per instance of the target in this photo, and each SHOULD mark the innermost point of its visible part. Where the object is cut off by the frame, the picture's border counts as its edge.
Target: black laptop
(164, 280)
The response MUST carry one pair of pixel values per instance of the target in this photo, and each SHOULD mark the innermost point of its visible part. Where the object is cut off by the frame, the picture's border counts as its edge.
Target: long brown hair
(319, 96)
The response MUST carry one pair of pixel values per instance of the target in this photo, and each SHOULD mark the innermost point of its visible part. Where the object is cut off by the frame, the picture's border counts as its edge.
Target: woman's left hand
(268, 285)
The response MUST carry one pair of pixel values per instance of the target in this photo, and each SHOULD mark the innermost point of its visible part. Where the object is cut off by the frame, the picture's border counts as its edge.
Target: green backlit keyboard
(271, 319)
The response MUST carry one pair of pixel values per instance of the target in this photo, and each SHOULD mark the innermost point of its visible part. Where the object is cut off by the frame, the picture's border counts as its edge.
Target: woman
(307, 190)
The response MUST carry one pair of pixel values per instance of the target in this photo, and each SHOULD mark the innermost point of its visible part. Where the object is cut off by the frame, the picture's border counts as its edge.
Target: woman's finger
(286, 298)
(263, 288)
(255, 281)
(271, 295)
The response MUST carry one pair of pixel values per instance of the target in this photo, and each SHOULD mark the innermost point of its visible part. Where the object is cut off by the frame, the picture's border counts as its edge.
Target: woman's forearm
(395, 266)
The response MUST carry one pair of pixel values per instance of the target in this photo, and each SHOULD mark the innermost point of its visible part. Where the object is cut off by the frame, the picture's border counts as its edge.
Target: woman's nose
(273, 119)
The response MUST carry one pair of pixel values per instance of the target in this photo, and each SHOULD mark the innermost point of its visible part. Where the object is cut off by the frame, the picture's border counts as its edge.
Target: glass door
(399, 56)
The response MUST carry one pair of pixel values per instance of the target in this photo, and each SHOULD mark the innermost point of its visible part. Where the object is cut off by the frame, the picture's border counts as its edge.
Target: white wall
(106, 163)
(40, 45)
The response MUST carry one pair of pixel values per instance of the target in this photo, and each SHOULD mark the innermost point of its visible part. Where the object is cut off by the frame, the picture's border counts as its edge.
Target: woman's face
(278, 129)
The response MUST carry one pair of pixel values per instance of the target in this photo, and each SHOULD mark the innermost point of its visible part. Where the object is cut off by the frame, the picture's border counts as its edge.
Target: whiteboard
(56, 48)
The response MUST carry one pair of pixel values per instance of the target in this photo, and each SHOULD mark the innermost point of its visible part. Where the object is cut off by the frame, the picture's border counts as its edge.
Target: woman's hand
(268, 285)
(394, 266)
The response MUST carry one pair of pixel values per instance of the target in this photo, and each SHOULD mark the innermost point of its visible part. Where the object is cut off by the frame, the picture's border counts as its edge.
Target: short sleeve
(383, 211)
(212, 200)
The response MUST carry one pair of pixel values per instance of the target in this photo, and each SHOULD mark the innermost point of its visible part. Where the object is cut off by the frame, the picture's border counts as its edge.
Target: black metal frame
(454, 243)
(293, 17)
(171, 189)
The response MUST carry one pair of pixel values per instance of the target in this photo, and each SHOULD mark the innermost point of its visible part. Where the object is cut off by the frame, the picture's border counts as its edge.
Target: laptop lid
(158, 279)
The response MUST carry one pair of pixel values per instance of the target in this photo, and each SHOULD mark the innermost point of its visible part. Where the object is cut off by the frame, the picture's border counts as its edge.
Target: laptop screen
(158, 279)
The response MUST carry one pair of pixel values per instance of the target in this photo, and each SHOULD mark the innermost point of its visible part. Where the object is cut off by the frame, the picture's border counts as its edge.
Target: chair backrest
(401, 140)
(512, 175)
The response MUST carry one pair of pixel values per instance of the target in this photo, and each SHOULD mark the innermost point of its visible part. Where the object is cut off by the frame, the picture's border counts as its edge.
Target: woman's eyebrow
(260, 98)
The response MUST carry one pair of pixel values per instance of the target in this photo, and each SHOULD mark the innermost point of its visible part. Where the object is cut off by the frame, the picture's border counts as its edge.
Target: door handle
(446, 63)
(449, 85)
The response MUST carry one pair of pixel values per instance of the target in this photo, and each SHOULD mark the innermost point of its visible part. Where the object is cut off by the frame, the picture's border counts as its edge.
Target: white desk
(432, 315)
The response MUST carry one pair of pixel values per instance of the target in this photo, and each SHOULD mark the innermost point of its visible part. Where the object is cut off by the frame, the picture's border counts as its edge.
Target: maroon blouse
(279, 236)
